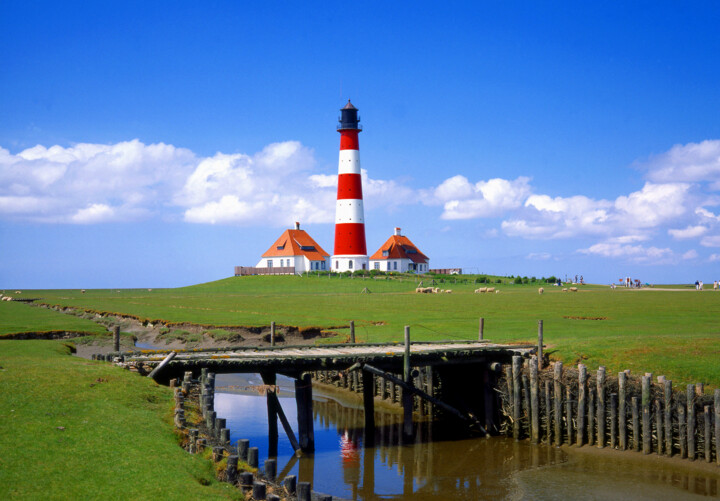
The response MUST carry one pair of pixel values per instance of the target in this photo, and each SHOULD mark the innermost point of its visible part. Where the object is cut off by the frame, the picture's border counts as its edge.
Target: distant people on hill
(697, 285)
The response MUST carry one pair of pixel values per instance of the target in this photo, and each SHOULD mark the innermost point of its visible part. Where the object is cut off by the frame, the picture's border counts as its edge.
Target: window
(376, 265)
(350, 264)
(337, 265)
(323, 265)
(386, 253)
(394, 265)
(269, 263)
(388, 266)
(281, 263)
(307, 247)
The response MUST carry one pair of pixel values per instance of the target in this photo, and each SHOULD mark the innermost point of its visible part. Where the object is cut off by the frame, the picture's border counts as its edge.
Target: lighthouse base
(341, 264)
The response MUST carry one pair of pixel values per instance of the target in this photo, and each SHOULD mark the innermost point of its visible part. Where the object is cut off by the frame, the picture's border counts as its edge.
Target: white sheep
(491, 289)
(541, 290)
(573, 289)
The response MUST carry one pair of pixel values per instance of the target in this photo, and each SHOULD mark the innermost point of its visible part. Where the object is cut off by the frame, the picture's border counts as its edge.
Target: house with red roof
(294, 252)
(399, 254)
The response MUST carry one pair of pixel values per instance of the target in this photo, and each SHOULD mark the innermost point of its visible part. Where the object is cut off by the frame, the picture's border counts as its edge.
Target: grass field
(76, 429)
(676, 333)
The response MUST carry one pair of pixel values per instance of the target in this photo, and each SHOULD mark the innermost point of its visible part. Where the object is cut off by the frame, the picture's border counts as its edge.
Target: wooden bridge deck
(295, 359)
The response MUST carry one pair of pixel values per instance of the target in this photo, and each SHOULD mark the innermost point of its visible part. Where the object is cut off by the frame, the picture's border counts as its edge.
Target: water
(437, 465)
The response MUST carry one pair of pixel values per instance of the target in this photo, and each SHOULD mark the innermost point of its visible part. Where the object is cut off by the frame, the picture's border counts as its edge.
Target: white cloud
(692, 162)
(653, 205)
(463, 200)
(714, 258)
(689, 232)
(710, 241)
(635, 253)
(691, 254)
(539, 256)
(95, 213)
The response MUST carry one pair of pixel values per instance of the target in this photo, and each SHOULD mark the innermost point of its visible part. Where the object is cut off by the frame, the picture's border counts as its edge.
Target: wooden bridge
(456, 378)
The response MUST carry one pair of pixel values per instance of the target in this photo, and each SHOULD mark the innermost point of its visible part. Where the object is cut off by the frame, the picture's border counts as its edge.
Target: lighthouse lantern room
(350, 252)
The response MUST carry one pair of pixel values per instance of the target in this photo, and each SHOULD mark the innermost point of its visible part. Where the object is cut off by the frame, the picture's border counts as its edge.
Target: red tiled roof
(296, 243)
(400, 247)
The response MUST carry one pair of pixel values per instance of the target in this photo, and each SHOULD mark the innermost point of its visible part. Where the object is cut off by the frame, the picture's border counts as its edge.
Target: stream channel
(438, 465)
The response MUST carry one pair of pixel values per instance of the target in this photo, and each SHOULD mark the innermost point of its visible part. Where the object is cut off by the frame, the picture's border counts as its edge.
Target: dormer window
(386, 253)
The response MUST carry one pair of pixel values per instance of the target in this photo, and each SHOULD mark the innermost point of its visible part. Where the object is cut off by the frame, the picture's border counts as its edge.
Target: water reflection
(436, 464)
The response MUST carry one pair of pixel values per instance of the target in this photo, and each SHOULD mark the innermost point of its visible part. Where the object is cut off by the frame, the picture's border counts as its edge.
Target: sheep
(497, 291)
(541, 290)
(18, 292)
(435, 290)
(481, 290)
(564, 289)
(491, 289)
(82, 291)
(448, 291)
(573, 289)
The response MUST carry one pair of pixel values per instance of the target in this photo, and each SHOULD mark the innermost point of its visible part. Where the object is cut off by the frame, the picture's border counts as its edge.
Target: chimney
(397, 232)
(297, 225)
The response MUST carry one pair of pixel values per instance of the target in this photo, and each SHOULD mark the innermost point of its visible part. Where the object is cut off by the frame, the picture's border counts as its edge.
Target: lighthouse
(350, 253)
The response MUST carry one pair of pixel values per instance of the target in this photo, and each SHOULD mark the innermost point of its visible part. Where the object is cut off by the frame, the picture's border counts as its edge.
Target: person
(697, 285)
(700, 287)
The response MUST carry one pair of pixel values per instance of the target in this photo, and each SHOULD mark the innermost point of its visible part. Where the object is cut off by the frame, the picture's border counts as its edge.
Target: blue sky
(162, 144)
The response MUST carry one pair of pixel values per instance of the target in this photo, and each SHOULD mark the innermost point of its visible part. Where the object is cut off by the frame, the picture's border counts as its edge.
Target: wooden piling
(368, 380)
(253, 454)
(290, 485)
(691, 421)
(717, 426)
(557, 399)
(525, 404)
(613, 420)
(407, 398)
(659, 426)
(516, 396)
(548, 413)
(272, 333)
(582, 396)
(303, 491)
(541, 362)
(231, 470)
(224, 436)
(668, 417)
(303, 399)
(246, 480)
(534, 403)
(635, 405)
(601, 407)
(217, 454)
(352, 331)
(591, 415)
(682, 430)
(569, 414)
(271, 469)
(259, 491)
(242, 449)
(707, 437)
(646, 425)
(622, 411)
(481, 329)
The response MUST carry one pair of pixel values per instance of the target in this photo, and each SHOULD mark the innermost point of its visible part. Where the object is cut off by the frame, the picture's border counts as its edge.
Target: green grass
(20, 318)
(671, 333)
(77, 429)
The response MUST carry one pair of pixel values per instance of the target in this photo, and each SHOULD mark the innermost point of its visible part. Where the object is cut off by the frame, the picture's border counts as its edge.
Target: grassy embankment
(671, 333)
(77, 429)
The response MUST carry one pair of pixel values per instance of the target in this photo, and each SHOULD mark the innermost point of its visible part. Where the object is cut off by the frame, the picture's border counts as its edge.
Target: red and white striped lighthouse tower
(350, 252)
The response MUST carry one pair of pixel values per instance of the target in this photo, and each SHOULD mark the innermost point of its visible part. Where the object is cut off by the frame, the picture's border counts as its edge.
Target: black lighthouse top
(349, 118)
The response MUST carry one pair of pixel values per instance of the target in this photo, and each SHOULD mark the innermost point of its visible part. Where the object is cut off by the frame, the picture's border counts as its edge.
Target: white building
(399, 254)
(295, 252)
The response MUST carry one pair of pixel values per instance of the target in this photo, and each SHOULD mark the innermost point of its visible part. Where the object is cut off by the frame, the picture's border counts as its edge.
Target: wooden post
(541, 362)
(272, 333)
(582, 396)
(717, 426)
(303, 399)
(259, 491)
(691, 421)
(659, 426)
(271, 469)
(243, 446)
(548, 413)
(668, 418)
(635, 423)
(290, 484)
(557, 397)
(217, 454)
(162, 365)
(352, 331)
(481, 329)
(224, 436)
(368, 381)
(622, 412)
(601, 407)
(407, 400)
(569, 414)
(253, 457)
(246, 480)
(270, 380)
(591, 415)
(534, 402)
(516, 396)
(303, 491)
(646, 426)
(525, 413)
(708, 438)
(613, 420)
(682, 430)
(231, 470)
(116, 337)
